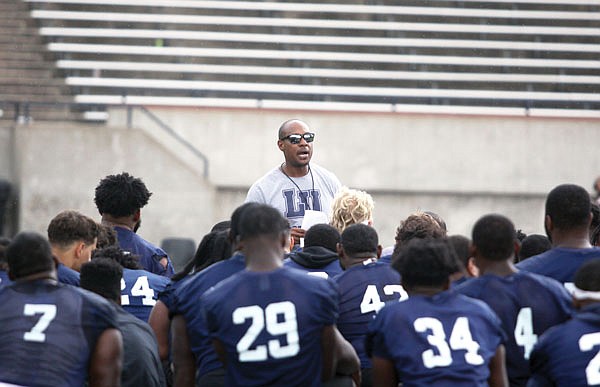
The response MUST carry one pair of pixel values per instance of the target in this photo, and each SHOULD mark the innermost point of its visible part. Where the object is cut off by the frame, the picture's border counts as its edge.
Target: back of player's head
(438, 219)
(359, 238)
(494, 237)
(29, 253)
(322, 235)
(71, 226)
(425, 262)
(214, 247)
(107, 236)
(102, 276)
(123, 258)
(223, 225)
(588, 276)
(351, 206)
(419, 226)
(236, 216)
(262, 220)
(568, 206)
(461, 244)
(534, 244)
(121, 195)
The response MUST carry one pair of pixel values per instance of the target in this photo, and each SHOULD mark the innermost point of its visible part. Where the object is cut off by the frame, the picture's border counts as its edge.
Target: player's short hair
(121, 195)
(568, 206)
(534, 244)
(71, 226)
(123, 258)
(417, 226)
(425, 262)
(260, 220)
(322, 235)
(437, 218)
(29, 253)
(223, 225)
(460, 245)
(102, 276)
(351, 206)
(587, 276)
(494, 237)
(214, 247)
(236, 216)
(359, 238)
(107, 236)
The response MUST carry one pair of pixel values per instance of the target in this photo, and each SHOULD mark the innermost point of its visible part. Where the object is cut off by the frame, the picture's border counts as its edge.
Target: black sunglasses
(296, 138)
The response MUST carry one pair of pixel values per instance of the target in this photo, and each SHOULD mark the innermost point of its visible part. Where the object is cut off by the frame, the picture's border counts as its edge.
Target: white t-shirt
(279, 191)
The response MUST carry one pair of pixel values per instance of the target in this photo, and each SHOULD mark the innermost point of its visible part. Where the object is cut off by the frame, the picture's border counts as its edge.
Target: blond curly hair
(351, 206)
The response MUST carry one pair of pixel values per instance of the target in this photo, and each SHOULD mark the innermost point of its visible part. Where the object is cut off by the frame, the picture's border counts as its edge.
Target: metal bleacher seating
(489, 56)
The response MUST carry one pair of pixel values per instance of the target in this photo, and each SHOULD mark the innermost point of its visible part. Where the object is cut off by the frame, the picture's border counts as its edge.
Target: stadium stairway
(30, 89)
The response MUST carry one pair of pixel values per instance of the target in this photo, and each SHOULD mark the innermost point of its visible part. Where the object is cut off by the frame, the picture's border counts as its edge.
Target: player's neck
(117, 222)
(262, 255)
(501, 269)
(292, 171)
(571, 240)
(361, 260)
(427, 291)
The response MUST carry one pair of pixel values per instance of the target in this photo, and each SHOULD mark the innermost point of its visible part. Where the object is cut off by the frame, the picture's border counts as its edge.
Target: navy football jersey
(363, 290)
(559, 263)
(139, 291)
(327, 271)
(66, 275)
(48, 331)
(568, 355)
(270, 325)
(184, 301)
(446, 339)
(527, 304)
(149, 254)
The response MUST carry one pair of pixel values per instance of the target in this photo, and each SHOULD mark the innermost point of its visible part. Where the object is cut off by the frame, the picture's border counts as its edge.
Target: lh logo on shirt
(297, 201)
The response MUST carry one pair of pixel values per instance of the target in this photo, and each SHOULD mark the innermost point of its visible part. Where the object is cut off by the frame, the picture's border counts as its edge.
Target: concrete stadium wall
(58, 167)
(458, 166)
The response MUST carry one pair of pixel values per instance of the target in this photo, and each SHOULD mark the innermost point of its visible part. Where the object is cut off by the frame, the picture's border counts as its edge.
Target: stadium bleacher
(492, 57)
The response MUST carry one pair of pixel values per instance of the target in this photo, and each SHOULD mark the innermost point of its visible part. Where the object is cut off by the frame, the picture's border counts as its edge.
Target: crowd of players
(261, 304)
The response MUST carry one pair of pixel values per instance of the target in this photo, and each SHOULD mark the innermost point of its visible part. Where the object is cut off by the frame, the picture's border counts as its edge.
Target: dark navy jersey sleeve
(48, 331)
(150, 255)
(270, 325)
(67, 275)
(364, 289)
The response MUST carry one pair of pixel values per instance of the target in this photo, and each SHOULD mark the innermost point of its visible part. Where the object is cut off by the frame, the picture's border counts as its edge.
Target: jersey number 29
(269, 319)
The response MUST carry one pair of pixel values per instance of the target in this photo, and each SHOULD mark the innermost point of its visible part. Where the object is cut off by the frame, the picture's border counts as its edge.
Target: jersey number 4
(371, 301)
(48, 313)
(268, 318)
(460, 339)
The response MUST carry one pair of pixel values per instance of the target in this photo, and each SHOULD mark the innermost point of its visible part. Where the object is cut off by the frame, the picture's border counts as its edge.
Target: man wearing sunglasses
(296, 185)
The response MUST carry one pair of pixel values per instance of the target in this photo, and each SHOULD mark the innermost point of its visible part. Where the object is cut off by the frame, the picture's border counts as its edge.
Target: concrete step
(40, 89)
(14, 63)
(24, 73)
(6, 81)
(12, 97)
